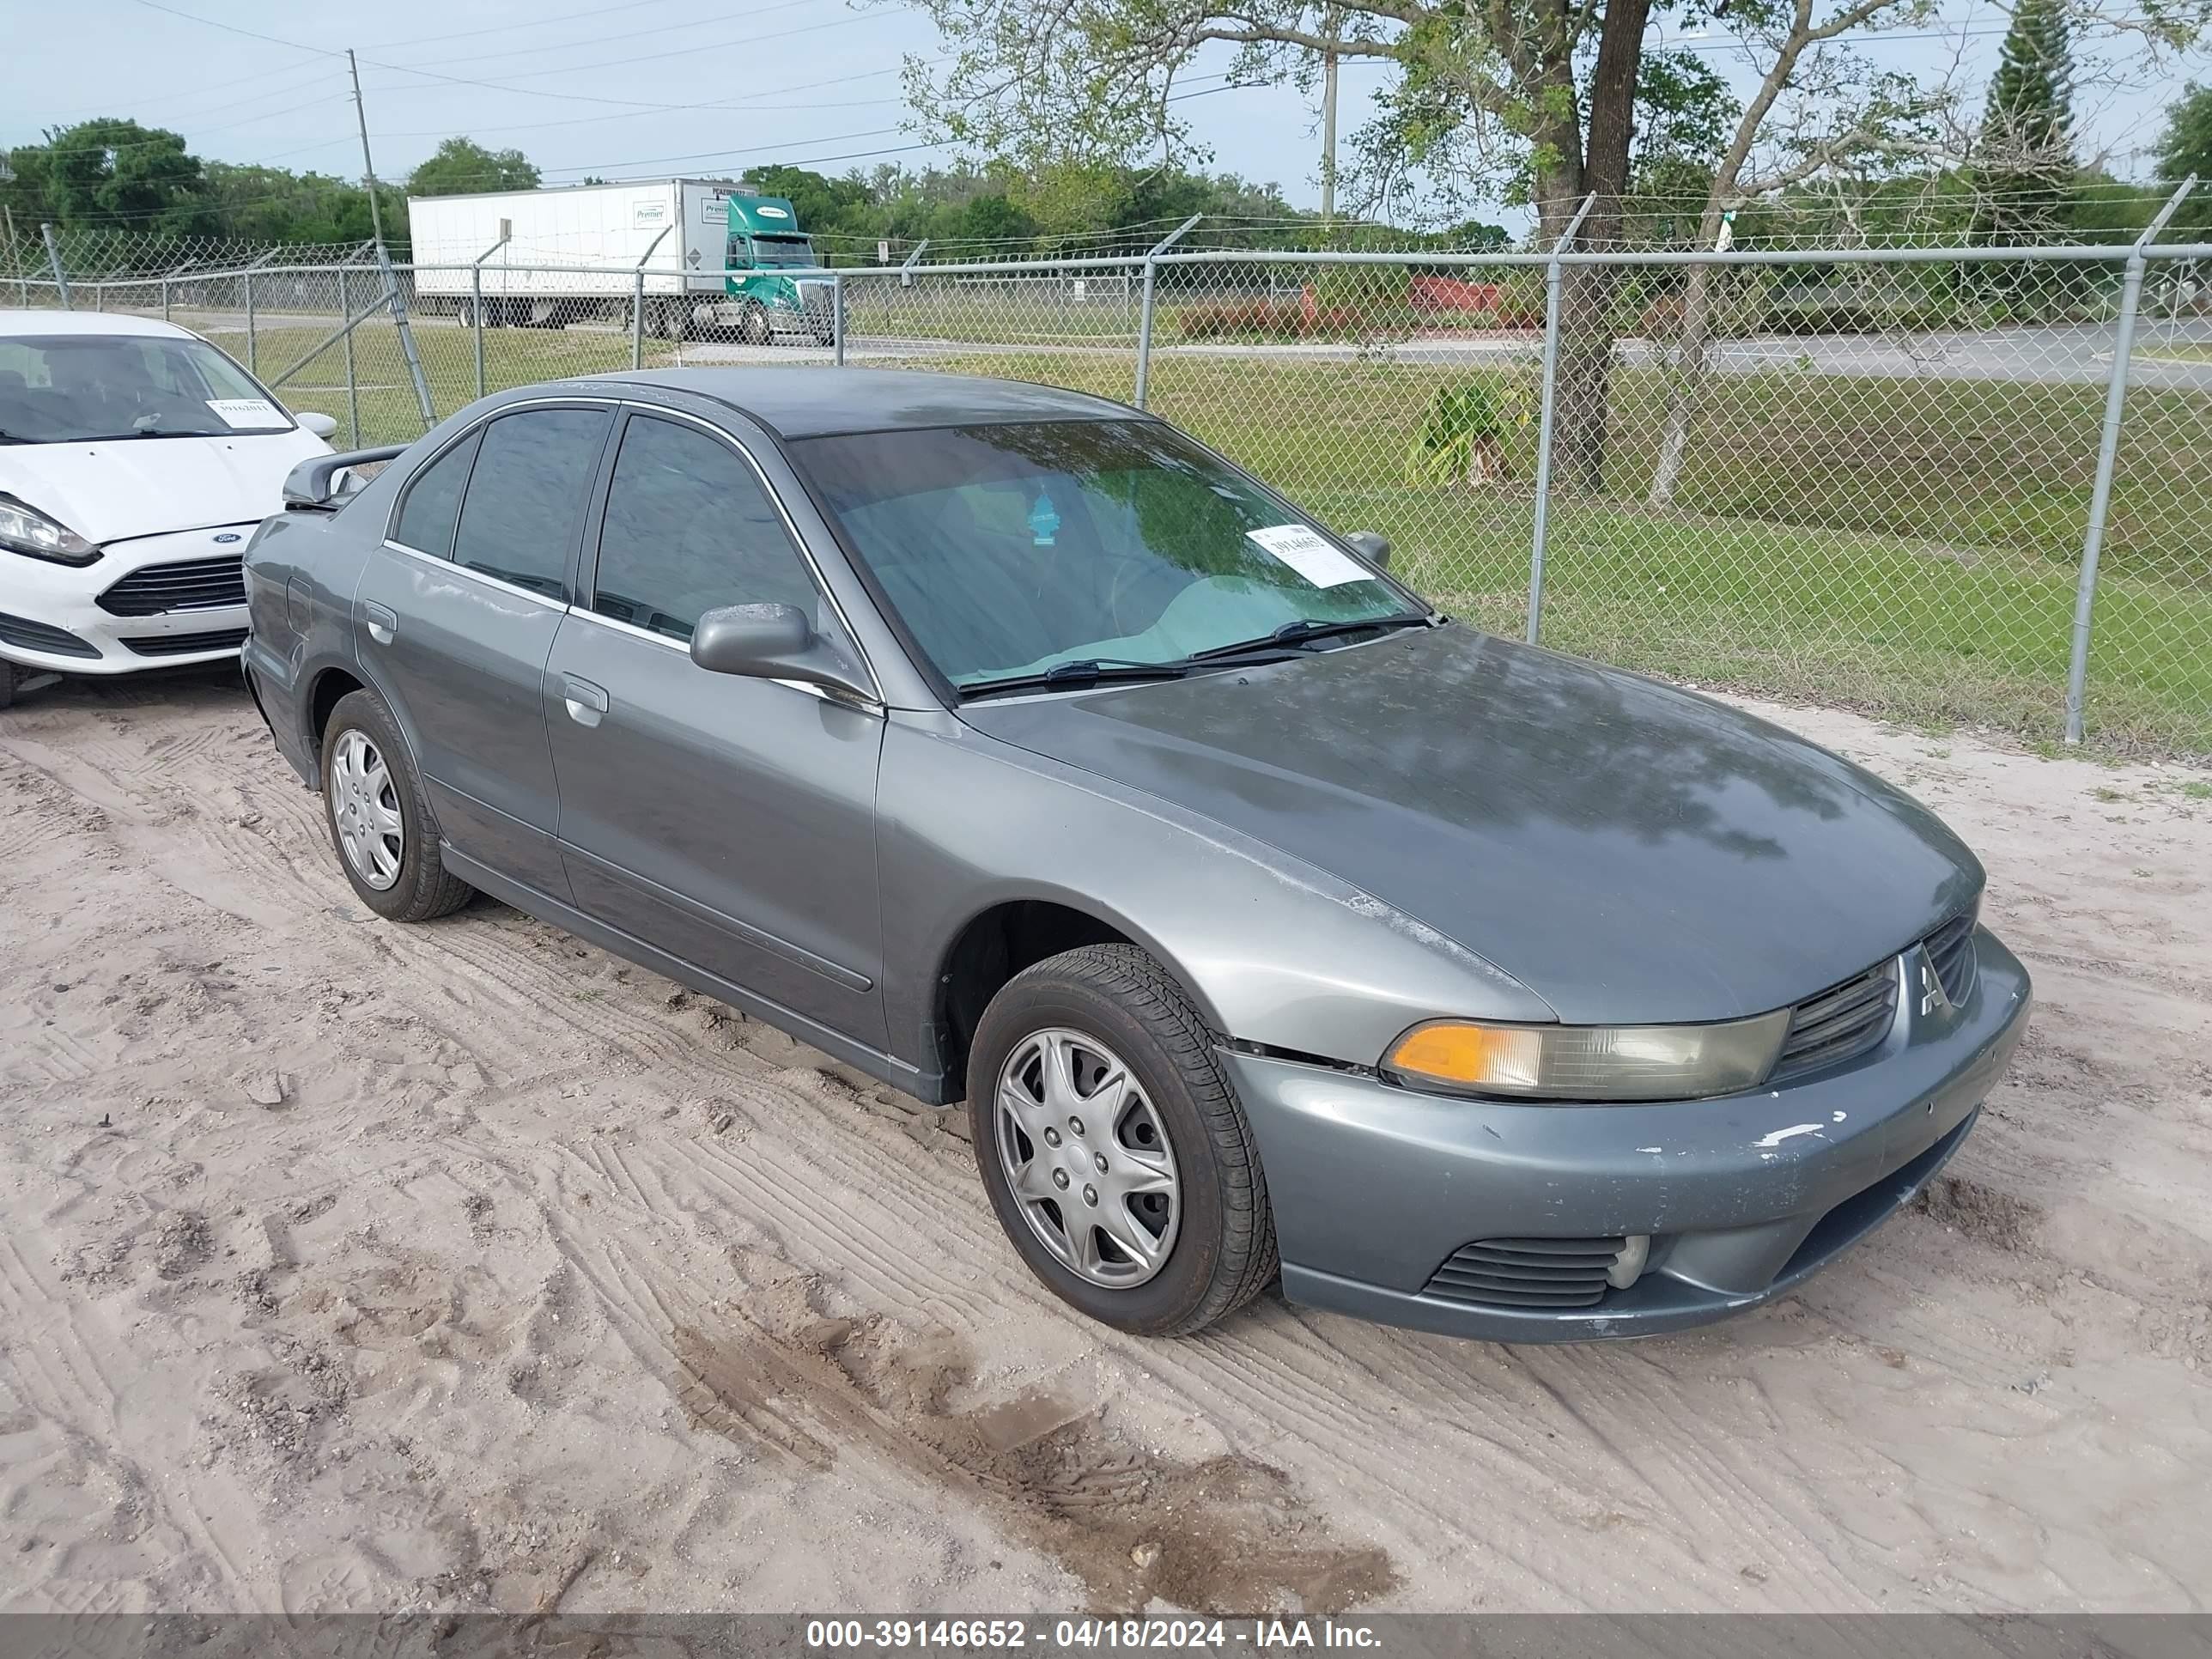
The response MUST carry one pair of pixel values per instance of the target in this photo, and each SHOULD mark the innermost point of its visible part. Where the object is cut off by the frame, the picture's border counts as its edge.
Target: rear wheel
(379, 818)
(1113, 1148)
(9, 673)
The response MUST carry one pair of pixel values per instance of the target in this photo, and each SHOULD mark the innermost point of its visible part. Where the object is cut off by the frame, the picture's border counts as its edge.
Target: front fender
(1273, 952)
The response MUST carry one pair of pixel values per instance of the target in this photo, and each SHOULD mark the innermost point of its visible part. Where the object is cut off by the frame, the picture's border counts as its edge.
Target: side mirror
(321, 425)
(772, 642)
(1374, 548)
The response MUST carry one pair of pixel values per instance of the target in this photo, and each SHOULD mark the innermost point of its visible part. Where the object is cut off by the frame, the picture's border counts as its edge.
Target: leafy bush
(1464, 437)
(1380, 291)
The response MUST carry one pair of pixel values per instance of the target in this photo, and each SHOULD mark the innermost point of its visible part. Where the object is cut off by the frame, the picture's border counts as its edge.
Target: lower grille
(43, 637)
(1840, 1023)
(1951, 949)
(188, 585)
(1527, 1272)
(184, 645)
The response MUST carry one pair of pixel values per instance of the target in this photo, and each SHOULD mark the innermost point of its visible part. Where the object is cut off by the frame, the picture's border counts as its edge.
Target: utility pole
(383, 256)
(1328, 125)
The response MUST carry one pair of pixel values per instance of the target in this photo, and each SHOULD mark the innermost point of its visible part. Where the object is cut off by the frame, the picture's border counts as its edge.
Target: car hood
(118, 489)
(1627, 851)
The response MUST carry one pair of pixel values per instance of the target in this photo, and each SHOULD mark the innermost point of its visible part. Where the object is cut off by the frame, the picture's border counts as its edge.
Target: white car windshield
(1010, 550)
(77, 388)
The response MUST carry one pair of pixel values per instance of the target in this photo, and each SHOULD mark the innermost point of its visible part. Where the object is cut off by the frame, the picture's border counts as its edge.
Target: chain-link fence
(1932, 482)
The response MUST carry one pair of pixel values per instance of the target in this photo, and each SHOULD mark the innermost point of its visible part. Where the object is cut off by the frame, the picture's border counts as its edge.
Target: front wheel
(754, 325)
(1114, 1149)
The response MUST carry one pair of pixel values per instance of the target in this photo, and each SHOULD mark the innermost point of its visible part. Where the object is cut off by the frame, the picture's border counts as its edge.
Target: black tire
(754, 326)
(1223, 1252)
(423, 890)
(9, 675)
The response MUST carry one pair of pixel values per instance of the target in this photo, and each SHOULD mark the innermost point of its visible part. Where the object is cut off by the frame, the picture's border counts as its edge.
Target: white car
(136, 460)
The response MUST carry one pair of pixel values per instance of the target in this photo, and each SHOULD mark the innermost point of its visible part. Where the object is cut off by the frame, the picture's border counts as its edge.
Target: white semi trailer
(519, 250)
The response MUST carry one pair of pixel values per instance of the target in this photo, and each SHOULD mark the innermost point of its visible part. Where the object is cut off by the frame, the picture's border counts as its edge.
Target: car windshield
(1008, 549)
(73, 388)
(783, 251)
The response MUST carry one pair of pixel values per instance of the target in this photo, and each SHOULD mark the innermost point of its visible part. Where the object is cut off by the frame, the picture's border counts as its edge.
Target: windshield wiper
(1084, 671)
(1305, 629)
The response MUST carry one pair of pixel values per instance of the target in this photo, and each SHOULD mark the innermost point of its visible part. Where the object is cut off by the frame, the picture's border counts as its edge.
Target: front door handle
(585, 700)
(383, 621)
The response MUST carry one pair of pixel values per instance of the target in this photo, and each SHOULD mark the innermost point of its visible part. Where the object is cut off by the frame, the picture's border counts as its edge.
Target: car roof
(19, 322)
(798, 401)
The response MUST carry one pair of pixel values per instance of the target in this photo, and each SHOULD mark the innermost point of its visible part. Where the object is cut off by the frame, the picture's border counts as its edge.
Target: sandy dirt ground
(345, 1266)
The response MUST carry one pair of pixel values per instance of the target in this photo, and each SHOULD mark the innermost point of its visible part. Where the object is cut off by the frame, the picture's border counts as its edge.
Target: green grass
(1905, 546)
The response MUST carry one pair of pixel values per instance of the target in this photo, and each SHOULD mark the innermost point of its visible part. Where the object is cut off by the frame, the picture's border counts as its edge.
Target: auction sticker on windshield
(1309, 555)
(246, 411)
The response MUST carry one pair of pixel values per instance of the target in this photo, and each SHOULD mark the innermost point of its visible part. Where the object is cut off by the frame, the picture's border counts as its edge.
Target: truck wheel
(668, 319)
(7, 682)
(754, 325)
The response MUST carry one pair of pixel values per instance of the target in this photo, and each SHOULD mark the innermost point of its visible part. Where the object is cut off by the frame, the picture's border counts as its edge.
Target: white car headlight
(1590, 1062)
(24, 529)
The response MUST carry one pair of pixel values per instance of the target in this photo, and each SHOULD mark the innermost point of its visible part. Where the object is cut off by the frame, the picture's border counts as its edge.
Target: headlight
(1590, 1062)
(24, 529)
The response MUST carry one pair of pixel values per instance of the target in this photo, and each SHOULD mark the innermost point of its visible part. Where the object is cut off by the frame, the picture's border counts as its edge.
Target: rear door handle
(585, 700)
(383, 621)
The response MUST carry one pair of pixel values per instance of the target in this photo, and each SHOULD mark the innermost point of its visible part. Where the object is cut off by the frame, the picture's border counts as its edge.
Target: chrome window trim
(572, 400)
(497, 583)
(791, 528)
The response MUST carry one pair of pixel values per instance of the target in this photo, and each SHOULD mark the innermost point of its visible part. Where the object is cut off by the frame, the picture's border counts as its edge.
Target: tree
(1546, 90)
(1817, 109)
(2187, 148)
(2024, 156)
(462, 167)
(113, 175)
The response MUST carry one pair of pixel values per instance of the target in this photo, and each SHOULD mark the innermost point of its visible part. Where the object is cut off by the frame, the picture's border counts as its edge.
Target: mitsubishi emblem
(1933, 996)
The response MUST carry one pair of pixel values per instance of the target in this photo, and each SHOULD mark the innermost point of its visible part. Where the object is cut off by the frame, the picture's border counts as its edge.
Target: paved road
(2070, 355)
(2042, 355)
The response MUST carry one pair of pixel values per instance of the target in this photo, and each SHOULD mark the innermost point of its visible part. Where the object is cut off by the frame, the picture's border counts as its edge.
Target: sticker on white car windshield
(1306, 552)
(246, 411)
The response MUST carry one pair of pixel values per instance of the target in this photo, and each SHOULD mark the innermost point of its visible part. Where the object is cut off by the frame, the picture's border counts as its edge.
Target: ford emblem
(229, 535)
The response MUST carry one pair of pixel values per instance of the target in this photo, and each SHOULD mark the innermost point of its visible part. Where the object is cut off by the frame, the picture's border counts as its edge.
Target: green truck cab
(764, 302)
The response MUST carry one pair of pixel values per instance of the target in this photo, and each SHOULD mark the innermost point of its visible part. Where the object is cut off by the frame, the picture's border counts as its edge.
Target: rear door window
(432, 500)
(525, 495)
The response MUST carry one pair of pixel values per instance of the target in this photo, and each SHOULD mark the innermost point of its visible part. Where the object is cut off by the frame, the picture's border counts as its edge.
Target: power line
(687, 51)
(627, 34)
(657, 109)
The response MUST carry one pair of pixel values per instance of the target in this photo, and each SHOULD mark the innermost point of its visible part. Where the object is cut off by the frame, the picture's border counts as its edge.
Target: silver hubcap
(365, 810)
(1087, 1157)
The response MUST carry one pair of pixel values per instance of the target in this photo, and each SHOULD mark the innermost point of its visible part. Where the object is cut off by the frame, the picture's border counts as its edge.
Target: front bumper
(1375, 1186)
(50, 616)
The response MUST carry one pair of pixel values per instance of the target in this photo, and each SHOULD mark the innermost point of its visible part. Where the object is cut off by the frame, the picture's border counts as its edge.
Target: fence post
(637, 318)
(353, 379)
(165, 299)
(1542, 529)
(2108, 451)
(54, 258)
(253, 349)
(837, 315)
(1145, 312)
(475, 319)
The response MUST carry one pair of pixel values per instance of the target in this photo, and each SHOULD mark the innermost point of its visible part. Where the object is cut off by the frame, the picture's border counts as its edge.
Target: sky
(614, 89)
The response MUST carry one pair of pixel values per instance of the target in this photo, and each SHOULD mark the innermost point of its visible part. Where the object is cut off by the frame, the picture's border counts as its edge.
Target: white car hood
(115, 489)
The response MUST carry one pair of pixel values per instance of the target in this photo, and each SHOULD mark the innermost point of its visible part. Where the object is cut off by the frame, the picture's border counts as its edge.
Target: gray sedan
(1013, 747)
